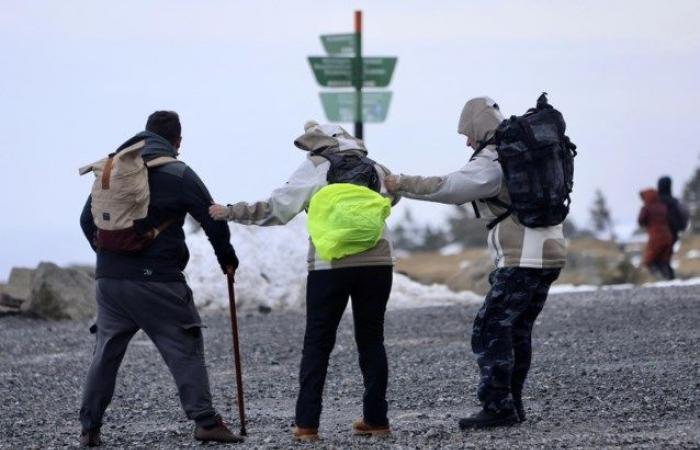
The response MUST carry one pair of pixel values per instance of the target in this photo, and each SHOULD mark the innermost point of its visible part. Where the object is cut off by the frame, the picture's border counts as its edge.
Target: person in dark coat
(678, 214)
(654, 217)
(148, 291)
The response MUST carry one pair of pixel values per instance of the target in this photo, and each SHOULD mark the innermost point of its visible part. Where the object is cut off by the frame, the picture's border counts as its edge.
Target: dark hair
(166, 124)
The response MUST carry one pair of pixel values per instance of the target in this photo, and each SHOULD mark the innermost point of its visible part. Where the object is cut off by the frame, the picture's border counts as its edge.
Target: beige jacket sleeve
(382, 171)
(285, 202)
(480, 178)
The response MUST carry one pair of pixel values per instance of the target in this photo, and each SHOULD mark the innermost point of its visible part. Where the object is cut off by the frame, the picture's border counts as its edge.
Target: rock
(58, 293)
(89, 269)
(263, 309)
(18, 287)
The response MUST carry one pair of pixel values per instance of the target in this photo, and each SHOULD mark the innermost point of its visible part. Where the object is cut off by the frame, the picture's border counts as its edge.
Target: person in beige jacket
(527, 260)
(365, 278)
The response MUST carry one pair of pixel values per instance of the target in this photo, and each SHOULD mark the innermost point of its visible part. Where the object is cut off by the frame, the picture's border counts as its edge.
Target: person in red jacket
(654, 217)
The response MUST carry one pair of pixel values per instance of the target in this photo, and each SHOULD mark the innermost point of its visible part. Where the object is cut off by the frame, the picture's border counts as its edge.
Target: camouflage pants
(502, 336)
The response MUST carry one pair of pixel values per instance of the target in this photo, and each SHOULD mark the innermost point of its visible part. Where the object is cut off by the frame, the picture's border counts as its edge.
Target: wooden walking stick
(236, 351)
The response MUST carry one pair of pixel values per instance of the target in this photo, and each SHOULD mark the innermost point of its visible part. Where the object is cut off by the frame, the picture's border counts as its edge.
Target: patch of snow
(568, 288)
(688, 282)
(464, 264)
(273, 272)
(692, 254)
(451, 249)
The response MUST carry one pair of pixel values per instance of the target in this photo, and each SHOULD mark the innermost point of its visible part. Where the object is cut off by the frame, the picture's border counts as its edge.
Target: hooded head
(649, 196)
(664, 186)
(480, 117)
(327, 138)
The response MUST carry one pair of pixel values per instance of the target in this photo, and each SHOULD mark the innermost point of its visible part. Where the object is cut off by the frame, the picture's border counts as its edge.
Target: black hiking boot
(488, 419)
(519, 408)
(90, 438)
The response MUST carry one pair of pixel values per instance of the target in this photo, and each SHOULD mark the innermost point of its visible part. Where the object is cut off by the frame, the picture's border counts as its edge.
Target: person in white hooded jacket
(365, 278)
(527, 260)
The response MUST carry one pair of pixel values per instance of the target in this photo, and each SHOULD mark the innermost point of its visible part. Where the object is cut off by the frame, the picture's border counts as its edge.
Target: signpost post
(344, 67)
(359, 131)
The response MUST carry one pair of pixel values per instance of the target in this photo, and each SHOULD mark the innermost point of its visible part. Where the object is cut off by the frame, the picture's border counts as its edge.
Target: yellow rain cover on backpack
(346, 219)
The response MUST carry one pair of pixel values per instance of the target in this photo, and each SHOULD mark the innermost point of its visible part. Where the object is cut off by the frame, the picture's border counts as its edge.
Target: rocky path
(612, 368)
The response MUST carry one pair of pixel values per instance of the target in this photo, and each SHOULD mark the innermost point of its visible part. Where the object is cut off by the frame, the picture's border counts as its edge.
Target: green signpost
(346, 68)
(342, 106)
(339, 44)
(333, 71)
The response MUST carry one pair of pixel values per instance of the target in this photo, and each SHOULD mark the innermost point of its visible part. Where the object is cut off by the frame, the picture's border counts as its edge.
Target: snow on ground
(566, 288)
(273, 272)
(693, 254)
(451, 249)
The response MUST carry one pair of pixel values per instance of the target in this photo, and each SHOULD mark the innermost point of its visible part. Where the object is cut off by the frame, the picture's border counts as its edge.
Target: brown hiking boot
(216, 433)
(362, 428)
(305, 434)
(90, 438)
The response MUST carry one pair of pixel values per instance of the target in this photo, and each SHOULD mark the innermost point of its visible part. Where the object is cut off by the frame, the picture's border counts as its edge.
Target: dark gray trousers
(165, 311)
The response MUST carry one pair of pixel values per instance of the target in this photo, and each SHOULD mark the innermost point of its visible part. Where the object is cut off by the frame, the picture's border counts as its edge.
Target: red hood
(649, 196)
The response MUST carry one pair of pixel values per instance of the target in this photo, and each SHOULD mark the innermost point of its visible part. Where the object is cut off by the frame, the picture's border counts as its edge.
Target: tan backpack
(120, 197)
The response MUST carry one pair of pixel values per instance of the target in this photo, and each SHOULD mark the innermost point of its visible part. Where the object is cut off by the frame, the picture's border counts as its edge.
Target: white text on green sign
(339, 44)
(338, 71)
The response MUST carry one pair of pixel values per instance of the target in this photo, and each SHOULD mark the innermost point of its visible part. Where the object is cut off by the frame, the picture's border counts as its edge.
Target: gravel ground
(611, 369)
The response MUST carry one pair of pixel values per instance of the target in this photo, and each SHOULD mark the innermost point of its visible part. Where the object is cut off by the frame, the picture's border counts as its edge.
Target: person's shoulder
(175, 168)
(315, 160)
(488, 152)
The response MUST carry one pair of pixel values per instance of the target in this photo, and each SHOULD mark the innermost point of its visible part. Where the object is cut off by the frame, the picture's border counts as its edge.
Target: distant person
(654, 218)
(335, 160)
(678, 214)
(146, 290)
(528, 260)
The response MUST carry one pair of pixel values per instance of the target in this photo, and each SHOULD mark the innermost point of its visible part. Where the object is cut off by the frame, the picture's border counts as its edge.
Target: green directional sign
(377, 72)
(334, 71)
(339, 44)
(341, 106)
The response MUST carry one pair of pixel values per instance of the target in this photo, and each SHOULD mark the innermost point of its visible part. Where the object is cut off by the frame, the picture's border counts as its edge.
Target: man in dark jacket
(677, 213)
(148, 291)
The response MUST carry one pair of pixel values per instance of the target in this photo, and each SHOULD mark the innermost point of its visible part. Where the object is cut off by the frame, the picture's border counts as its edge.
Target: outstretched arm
(284, 202)
(480, 178)
(197, 199)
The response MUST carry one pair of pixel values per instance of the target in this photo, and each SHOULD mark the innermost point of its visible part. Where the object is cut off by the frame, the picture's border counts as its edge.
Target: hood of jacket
(156, 146)
(664, 186)
(327, 138)
(649, 196)
(480, 117)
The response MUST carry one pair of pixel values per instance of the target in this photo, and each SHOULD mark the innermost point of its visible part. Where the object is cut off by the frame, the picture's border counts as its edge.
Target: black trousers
(502, 336)
(327, 294)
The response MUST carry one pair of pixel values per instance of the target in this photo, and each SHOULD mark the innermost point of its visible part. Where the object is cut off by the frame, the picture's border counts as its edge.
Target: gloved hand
(229, 264)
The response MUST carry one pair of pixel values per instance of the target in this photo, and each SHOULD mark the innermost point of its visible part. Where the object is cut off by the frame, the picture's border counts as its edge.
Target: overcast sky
(77, 78)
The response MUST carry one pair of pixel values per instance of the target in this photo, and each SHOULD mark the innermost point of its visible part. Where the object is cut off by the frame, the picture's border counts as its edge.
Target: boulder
(59, 294)
(18, 287)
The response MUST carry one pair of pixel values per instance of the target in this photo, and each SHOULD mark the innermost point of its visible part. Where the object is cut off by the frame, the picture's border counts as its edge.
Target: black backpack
(537, 159)
(678, 215)
(352, 168)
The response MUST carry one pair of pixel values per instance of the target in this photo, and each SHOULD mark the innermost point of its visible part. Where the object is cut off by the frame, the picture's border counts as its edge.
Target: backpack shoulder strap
(160, 161)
